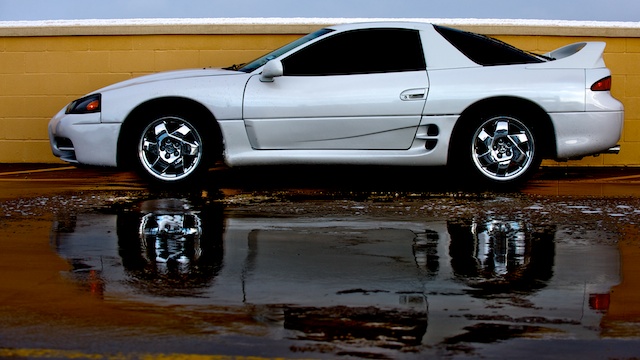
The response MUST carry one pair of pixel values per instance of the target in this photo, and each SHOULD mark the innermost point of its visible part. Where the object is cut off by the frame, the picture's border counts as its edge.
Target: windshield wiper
(234, 67)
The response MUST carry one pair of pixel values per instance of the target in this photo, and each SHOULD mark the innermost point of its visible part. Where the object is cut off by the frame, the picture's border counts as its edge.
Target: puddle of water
(346, 282)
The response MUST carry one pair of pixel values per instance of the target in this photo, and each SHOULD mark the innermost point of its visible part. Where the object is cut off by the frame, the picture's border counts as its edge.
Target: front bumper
(83, 139)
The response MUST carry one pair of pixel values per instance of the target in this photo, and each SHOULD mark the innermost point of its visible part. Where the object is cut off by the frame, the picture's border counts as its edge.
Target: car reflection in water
(353, 281)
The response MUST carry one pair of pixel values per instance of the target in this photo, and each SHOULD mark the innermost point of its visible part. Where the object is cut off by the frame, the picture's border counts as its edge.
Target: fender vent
(429, 134)
(431, 144)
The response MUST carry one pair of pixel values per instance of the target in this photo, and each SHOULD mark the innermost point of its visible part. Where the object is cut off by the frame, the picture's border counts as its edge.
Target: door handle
(413, 94)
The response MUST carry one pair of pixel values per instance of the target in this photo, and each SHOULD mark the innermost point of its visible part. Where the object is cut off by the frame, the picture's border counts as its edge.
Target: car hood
(170, 75)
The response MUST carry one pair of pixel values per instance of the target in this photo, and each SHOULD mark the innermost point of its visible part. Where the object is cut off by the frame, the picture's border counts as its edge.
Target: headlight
(85, 105)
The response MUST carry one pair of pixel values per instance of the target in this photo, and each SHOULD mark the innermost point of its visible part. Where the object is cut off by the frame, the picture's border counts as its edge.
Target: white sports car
(406, 94)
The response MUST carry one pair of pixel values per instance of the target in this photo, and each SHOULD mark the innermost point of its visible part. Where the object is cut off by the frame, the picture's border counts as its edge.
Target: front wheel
(501, 150)
(171, 149)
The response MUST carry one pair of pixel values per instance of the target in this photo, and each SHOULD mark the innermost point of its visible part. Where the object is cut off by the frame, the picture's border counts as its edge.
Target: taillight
(600, 302)
(603, 84)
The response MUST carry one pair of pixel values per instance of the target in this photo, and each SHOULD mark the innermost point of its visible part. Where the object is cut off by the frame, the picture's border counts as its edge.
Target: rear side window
(484, 50)
(359, 52)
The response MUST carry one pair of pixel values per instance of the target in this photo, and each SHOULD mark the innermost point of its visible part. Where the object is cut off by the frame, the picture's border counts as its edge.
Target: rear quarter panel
(554, 90)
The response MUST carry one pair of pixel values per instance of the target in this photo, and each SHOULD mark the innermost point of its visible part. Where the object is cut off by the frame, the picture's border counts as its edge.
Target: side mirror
(272, 70)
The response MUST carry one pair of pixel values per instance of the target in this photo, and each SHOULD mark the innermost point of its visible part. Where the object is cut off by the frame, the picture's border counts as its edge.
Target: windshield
(255, 64)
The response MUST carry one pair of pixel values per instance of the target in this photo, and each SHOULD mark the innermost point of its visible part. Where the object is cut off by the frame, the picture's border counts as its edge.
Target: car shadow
(346, 179)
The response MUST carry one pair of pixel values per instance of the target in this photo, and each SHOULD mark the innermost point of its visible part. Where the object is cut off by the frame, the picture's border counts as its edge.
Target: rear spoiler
(583, 55)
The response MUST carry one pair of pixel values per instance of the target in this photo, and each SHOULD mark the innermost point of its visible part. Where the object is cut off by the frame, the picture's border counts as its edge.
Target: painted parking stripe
(37, 170)
(70, 354)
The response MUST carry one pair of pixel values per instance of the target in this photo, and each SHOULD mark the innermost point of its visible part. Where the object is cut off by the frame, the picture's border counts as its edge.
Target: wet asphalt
(318, 263)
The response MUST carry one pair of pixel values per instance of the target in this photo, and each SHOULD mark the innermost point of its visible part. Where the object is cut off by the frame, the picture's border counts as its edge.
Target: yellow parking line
(69, 354)
(37, 170)
(45, 353)
(606, 179)
(32, 180)
(628, 177)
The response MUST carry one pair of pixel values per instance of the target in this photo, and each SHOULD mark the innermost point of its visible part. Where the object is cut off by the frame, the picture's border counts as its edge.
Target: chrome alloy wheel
(503, 149)
(170, 149)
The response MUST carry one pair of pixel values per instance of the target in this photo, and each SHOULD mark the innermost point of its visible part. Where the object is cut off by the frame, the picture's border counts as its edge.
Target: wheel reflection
(502, 256)
(169, 249)
(175, 239)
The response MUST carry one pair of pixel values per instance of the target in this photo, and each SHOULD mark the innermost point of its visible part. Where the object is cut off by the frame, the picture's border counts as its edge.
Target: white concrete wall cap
(305, 25)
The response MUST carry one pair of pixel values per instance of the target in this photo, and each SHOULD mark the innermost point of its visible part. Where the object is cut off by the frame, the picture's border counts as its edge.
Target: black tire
(497, 150)
(171, 149)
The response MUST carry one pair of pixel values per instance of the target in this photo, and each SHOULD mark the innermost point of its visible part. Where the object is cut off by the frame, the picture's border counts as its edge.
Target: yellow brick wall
(40, 73)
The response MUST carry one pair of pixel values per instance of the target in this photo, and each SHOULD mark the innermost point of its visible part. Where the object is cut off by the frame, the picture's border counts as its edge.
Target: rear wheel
(499, 150)
(171, 149)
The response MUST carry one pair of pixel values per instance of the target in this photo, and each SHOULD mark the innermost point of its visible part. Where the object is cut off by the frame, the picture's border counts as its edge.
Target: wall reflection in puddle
(394, 283)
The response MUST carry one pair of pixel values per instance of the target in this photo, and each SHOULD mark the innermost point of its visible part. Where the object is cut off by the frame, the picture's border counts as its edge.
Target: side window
(484, 50)
(359, 52)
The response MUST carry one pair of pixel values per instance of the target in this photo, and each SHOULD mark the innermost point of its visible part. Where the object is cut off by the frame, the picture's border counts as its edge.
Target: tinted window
(253, 65)
(359, 52)
(484, 50)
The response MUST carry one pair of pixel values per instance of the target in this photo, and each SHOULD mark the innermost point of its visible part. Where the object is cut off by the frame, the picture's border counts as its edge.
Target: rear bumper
(587, 133)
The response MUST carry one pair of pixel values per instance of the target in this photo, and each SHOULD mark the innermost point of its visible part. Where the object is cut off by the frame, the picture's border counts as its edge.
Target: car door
(360, 89)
